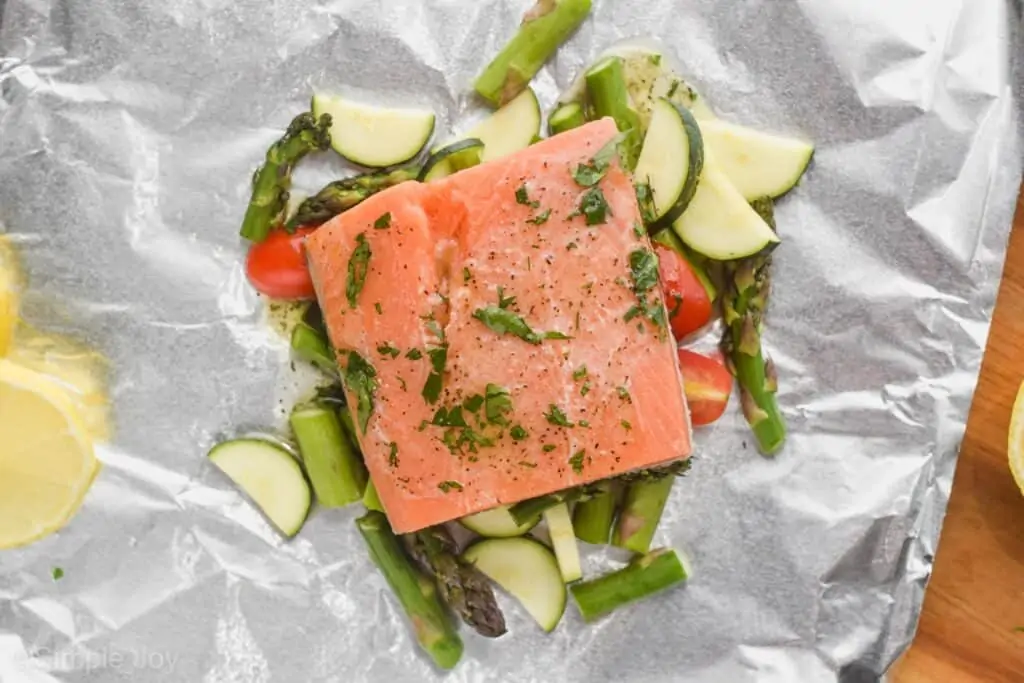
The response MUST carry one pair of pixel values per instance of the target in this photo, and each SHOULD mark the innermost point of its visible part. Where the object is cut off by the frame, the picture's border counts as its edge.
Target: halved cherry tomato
(707, 384)
(277, 266)
(688, 302)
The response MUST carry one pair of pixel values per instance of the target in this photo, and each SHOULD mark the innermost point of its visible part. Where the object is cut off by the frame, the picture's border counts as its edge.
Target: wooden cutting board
(975, 600)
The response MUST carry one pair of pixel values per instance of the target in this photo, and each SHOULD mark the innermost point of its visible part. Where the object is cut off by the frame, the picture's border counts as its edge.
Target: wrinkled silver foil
(128, 136)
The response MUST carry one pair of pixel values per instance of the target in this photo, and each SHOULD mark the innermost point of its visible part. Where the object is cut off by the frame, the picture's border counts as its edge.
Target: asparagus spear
(747, 286)
(544, 28)
(566, 117)
(342, 195)
(527, 510)
(641, 512)
(313, 348)
(592, 519)
(606, 88)
(431, 622)
(273, 179)
(335, 470)
(462, 585)
(644, 576)
(370, 498)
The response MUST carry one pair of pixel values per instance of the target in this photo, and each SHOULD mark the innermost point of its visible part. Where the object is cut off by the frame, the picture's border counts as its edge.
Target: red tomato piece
(688, 302)
(707, 384)
(277, 266)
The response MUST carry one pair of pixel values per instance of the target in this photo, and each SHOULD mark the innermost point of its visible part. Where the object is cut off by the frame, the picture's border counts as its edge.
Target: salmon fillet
(513, 353)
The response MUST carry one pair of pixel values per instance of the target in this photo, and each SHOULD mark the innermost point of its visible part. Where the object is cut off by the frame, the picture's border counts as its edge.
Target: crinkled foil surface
(128, 136)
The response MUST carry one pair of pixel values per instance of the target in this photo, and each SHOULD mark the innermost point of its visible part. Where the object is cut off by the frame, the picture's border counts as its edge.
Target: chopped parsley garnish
(593, 207)
(414, 354)
(638, 231)
(654, 59)
(457, 438)
(585, 389)
(377, 308)
(466, 275)
(401, 383)
(383, 222)
(645, 199)
(580, 372)
(501, 320)
(505, 301)
(361, 379)
(584, 423)
(57, 573)
(577, 461)
(449, 485)
(393, 454)
(473, 403)
(518, 433)
(588, 175)
(548, 447)
(541, 218)
(497, 404)
(571, 245)
(432, 387)
(672, 90)
(556, 417)
(626, 425)
(358, 266)
(526, 463)
(386, 349)
(643, 269)
(433, 326)
(523, 197)
(449, 417)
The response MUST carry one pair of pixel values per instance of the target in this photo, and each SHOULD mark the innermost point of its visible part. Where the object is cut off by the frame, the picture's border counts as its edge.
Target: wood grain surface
(975, 600)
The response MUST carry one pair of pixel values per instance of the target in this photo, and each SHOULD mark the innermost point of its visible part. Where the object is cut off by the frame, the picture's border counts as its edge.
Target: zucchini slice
(375, 136)
(497, 523)
(719, 222)
(672, 160)
(270, 477)
(757, 164)
(451, 158)
(528, 571)
(511, 128)
(563, 540)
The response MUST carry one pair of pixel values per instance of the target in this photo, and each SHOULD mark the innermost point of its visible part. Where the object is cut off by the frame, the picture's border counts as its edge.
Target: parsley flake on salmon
(358, 267)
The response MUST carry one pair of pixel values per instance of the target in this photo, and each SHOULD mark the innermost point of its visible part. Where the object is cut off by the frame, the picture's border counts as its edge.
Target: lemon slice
(46, 456)
(10, 293)
(1015, 448)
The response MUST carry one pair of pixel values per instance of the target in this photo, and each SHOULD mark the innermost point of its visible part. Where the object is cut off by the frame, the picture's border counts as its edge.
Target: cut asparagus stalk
(527, 510)
(744, 302)
(564, 542)
(434, 628)
(641, 511)
(592, 519)
(643, 577)
(566, 117)
(341, 195)
(335, 470)
(370, 498)
(311, 347)
(606, 87)
(544, 28)
(462, 586)
(273, 179)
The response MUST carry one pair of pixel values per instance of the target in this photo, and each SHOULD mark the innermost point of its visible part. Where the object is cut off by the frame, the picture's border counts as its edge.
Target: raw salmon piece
(606, 400)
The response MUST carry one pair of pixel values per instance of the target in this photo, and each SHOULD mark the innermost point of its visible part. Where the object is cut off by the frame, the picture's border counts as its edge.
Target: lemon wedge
(1015, 448)
(10, 293)
(46, 456)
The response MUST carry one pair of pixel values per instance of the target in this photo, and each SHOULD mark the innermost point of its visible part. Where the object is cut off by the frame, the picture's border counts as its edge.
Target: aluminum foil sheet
(128, 135)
